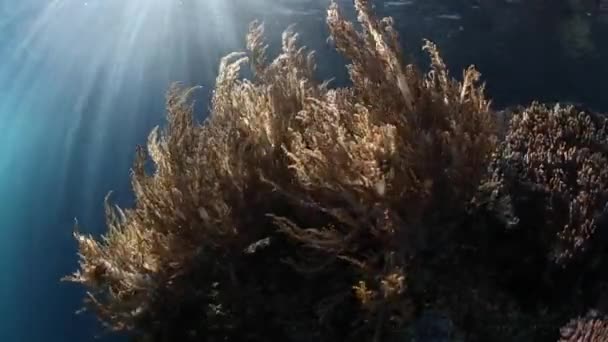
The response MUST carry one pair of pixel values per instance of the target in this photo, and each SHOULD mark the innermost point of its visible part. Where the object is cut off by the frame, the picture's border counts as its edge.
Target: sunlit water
(82, 82)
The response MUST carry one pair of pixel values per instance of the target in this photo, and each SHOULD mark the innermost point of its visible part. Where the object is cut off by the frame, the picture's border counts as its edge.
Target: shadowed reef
(401, 207)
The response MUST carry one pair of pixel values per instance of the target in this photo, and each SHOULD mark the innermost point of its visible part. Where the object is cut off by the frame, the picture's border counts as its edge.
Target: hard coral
(554, 159)
(589, 328)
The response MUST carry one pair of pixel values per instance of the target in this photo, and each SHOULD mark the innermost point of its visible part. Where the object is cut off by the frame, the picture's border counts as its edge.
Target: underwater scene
(304, 170)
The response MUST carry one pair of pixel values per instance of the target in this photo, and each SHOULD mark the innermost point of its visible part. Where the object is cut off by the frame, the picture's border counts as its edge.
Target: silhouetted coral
(301, 212)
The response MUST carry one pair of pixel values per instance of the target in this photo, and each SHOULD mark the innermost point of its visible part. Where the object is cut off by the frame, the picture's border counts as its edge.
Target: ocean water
(82, 82)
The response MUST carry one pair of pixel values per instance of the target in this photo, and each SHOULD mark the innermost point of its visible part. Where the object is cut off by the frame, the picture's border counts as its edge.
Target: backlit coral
(297, 211)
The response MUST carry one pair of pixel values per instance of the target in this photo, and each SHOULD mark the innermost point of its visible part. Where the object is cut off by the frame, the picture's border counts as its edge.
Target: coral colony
(401, 207)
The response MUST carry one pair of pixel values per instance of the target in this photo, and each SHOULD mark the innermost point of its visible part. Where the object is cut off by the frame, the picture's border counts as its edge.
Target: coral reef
(400, 207)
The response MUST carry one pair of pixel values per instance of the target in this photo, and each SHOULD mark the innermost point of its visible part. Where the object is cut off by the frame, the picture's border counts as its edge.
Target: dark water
(82, 82)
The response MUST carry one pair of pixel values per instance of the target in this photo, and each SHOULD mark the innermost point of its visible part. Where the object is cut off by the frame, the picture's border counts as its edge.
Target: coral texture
(558, 154)
(590, 328)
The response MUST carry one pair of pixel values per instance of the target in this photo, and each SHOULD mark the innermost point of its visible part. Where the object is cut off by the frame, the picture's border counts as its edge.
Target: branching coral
(361, 169)
(556, 157)
(397, 153)
(301, 212)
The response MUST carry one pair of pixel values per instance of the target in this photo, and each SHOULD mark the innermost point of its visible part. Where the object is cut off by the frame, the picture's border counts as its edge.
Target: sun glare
(69, 64)
(119, 38)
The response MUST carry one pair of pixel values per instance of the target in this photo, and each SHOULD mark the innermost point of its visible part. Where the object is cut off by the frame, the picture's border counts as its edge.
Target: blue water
(83, 82)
